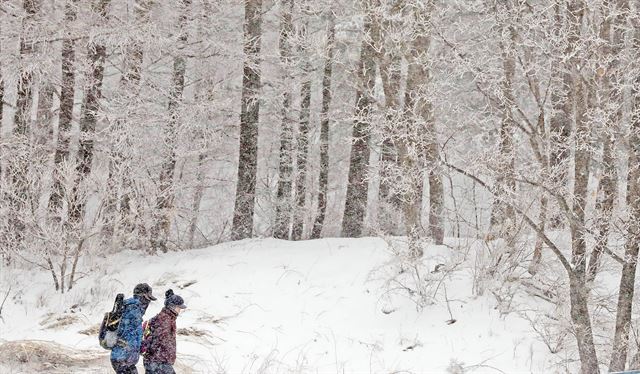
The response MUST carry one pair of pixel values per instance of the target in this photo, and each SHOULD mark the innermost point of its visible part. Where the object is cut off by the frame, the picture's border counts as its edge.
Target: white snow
(274, 306)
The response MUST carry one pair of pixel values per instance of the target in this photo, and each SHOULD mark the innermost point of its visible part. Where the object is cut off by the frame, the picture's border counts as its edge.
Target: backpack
(146, 337)
(108, 335)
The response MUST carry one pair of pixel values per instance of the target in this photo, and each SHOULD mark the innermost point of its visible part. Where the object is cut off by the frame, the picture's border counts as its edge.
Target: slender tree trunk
(579, 295)
(503, 217)
(285, 168)
(579, 95)
(25, 79)
(390, 66)
(563, 99)
(67, 95)
(166, 195)
(357, 187)
(608, 87)
(249, 115)
(582, 324)
(419, 111)
(17, 169)
(323, 186)
(537, 250)
(96, 53)
(120, 183)
(197, 199)
(604, 205)
(44, 116)
(627, 279)
(302, 140)
(202, 93)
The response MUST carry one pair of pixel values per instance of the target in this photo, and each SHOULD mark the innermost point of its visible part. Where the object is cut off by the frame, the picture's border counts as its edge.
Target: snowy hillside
(270, 306)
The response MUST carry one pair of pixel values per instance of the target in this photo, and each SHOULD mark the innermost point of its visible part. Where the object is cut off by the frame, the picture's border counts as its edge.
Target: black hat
(173, 300)
(144, 289)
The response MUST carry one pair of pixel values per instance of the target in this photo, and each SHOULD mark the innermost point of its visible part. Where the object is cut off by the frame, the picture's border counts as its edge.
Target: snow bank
(323, 306)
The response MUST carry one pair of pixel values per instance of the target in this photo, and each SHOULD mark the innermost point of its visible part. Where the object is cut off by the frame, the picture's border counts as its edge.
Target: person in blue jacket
(125, 355)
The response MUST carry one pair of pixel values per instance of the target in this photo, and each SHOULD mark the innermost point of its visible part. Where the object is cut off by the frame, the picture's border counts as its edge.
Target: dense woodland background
(168, 125)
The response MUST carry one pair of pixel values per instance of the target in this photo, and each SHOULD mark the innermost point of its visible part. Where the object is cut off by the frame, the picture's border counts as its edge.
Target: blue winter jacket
(129, 333)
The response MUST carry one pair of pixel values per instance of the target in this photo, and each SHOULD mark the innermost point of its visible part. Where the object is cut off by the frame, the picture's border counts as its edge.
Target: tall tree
(119, 203)
(285, 168)
(96, 53)
(25, 79)
(419, 110)
(609, 94)
(626, 289)
(562, 98)
(166, 195)
(579, 95)
(357, 187)
(249, 115)
(502, 215)
(323, 185)
(390, 66)
(302, 140)
(67, 95)
(16, 173)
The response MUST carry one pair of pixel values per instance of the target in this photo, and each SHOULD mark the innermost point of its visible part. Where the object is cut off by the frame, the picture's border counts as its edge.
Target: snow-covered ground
(270, 306)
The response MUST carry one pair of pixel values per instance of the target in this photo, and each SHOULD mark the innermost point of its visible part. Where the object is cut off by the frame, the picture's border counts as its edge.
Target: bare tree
(626, 289)
(165, 200)
(67, 95)
(96, 53)
(25, 89)
(249, 115)
(323, 186)
(285, 169)
(302, 140)
(357, 187)
(608, 91)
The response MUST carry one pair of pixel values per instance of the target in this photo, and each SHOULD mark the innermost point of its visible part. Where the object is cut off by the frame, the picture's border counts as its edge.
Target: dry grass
(50, 322)
(37, 355)
(192, 331)
(90, 331)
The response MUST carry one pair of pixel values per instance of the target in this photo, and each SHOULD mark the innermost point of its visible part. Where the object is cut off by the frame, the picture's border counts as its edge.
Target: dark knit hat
(173, 300)
(144, 289)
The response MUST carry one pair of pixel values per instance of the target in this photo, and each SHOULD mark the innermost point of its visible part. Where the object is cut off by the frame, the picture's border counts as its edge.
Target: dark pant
(123, 367)
(158, 368)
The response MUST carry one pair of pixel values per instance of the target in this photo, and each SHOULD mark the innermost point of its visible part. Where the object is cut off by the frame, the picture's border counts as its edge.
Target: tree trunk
(302, 140)
(609, 87)
(44, 116)
(563, 99)
(419, 111)
(358, 185)
(323, 186)
(166, 196)
(285, 168)
(628, 276)
(17, 169)
(537, 250)
(67, 93)
(96, 53)
(25, 79)
(120, 183)
(197, 199)
(503, 217)
(249, 115)
(390, 66)
(582, 325)
(604, 206)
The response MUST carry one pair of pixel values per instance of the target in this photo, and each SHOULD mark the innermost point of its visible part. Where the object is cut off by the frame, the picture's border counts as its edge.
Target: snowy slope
(273, 306)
